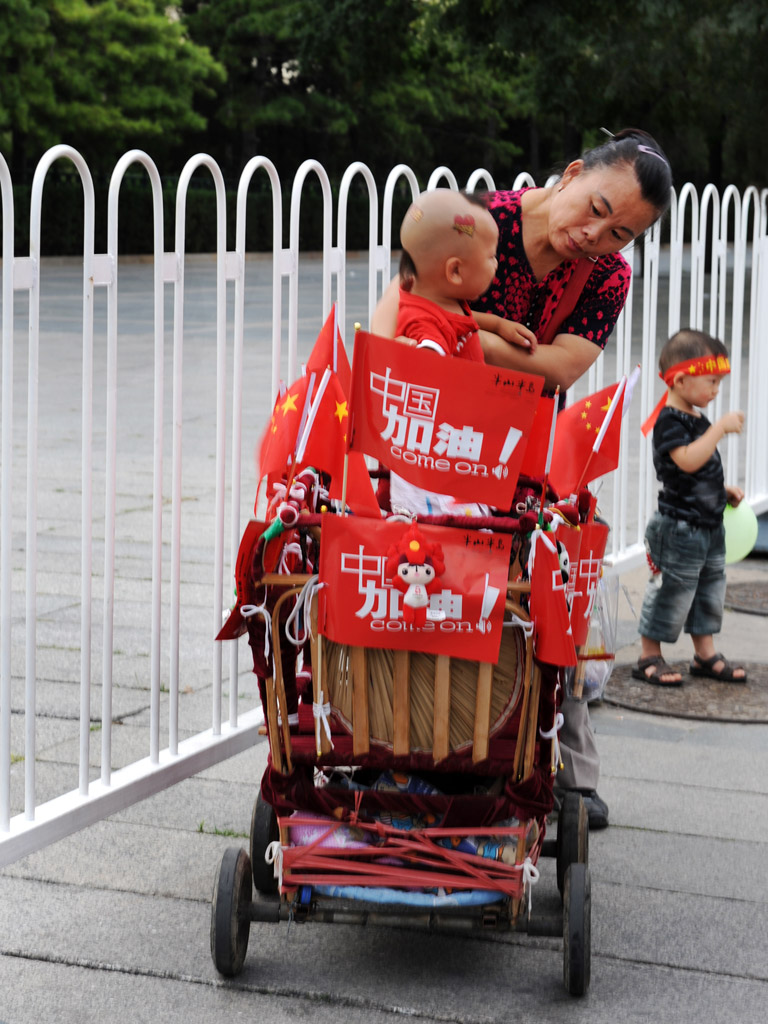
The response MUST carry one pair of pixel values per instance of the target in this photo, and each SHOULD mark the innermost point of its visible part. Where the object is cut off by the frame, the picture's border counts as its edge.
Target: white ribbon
(249, 610)
(515, 620)
(530, 878)
(302, 605)
(274, 855)
(552, 733)
(322, 713)
(294, 548)
(293, 719)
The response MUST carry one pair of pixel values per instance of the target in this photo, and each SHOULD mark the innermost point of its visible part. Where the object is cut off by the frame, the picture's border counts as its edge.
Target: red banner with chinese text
(447, 425)
(585, 572)
(360, 606)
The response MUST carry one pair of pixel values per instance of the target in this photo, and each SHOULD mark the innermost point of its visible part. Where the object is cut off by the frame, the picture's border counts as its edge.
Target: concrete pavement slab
(691, 810)
(644, 858)
(64, 993)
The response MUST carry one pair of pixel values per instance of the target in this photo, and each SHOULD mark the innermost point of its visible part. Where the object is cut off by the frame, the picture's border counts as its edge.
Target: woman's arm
(384, 319)
(561, 363)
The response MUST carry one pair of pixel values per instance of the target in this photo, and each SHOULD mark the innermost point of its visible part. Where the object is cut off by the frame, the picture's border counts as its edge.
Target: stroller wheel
(572, 835)
(264, 830)
(577, 930)
(230, 917)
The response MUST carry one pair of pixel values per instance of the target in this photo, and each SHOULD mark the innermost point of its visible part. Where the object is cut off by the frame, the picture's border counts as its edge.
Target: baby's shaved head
(442, 223)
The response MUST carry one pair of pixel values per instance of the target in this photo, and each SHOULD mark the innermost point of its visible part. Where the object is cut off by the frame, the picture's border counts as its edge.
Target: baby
(449, 242)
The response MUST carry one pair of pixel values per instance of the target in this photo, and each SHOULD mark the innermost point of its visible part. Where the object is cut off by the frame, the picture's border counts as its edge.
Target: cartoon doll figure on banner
(414, 566)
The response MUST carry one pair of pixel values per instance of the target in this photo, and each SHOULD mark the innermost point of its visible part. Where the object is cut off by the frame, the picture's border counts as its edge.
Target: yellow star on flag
(289, 405)
(341, 410)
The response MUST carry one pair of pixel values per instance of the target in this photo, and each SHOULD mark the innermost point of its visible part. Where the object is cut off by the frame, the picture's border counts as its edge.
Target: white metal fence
(178, 590)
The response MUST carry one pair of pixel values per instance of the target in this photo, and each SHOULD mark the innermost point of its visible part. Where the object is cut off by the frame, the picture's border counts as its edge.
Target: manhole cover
(747, 597)
(696, 698)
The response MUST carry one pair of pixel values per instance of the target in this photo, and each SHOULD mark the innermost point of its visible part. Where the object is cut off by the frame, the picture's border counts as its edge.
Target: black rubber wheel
(572, 835)
(577, 930)
(264, 830)
(230, 917)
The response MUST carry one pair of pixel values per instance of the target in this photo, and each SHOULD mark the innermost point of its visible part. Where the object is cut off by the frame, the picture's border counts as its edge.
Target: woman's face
(597, 212)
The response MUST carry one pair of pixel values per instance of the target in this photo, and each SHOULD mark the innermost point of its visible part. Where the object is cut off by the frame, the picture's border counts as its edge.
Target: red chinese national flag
(552, 639)
(278, 442)
(329, 351)
(575, 460)
(360, 605)
(447, 425)
(325, 443)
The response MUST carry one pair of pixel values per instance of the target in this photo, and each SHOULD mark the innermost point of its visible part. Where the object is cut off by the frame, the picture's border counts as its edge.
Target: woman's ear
(573, 170)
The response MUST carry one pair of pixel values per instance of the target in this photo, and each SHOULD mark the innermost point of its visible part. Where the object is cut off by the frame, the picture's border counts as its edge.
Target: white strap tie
(301, 610)
(274, 855)
(293, 719)
(294, 548)
(515, 620)
(530, 878)
(249, 610)
(322, 713)
(552, 733)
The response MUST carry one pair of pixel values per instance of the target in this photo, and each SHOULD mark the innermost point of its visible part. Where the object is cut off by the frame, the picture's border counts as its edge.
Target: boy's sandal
(706, 667)
(656, 661)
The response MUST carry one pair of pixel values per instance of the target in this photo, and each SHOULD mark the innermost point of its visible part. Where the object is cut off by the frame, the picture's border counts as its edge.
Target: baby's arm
(508, 330)
(691, 457)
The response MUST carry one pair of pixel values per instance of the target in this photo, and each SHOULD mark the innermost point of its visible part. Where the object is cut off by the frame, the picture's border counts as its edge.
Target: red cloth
(455, 333)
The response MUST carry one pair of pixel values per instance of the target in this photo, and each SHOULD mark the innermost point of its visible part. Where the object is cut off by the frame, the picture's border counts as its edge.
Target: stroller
(403, 785)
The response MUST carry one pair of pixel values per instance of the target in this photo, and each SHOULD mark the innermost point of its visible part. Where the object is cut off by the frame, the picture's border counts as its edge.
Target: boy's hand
(515, 334)
(732, 422)
(734, 496)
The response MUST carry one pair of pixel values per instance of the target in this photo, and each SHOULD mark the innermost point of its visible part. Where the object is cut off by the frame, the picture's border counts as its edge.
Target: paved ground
(113, 922)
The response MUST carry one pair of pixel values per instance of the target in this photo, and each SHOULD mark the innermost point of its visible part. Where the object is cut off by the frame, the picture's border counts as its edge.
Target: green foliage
(509, 85)
(102, 77)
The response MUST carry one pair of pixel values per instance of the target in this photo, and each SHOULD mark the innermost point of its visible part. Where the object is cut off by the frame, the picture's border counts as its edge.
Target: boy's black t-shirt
(698, 497)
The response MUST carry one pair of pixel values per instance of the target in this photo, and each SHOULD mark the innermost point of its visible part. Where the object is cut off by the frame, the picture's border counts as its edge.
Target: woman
(603, 201)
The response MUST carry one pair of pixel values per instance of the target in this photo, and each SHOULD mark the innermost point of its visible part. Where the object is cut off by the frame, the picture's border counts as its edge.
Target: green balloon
(740, 531)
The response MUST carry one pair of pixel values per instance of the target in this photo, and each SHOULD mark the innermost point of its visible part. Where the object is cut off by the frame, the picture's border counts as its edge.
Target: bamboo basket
(412, 702)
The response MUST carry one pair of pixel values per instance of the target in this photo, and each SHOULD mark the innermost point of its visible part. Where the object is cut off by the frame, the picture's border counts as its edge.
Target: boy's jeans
(690, 590)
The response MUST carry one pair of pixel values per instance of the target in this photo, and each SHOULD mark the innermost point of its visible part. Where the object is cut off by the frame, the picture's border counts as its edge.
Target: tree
(340, 82)
(101, 76)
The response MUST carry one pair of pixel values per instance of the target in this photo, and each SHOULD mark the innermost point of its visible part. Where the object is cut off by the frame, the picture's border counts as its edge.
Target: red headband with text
(702, 366)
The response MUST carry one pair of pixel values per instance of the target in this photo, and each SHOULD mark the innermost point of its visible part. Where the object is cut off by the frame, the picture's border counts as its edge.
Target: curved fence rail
(116, 408)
